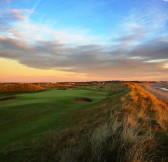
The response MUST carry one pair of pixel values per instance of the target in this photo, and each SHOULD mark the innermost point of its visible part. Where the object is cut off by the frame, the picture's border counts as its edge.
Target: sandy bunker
(8, 98)
(83, 99)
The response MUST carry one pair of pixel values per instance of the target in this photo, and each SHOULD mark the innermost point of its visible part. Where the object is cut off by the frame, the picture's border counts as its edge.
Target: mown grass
(125, 127)
(32, 114)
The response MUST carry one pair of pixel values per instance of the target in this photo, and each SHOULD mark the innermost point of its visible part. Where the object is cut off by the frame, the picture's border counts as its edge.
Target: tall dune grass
(114, 142)
(147, 107)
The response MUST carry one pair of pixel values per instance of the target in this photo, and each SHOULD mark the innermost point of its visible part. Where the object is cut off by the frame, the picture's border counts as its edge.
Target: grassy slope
(149, 114)
(35, 113)
(130, 125)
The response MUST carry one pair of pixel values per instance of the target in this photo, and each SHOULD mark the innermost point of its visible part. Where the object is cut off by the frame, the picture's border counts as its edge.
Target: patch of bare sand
(83, 100)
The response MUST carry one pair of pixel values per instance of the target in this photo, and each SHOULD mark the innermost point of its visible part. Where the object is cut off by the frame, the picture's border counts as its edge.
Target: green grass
(116, 128)
(33, 114)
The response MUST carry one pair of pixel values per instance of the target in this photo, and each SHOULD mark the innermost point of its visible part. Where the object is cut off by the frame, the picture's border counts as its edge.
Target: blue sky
(98, 16)
(101, 39)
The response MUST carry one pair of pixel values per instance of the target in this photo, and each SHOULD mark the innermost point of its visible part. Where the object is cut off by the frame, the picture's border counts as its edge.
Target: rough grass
(148, 113)
(126, 127)
(20, 87)
(146, 108)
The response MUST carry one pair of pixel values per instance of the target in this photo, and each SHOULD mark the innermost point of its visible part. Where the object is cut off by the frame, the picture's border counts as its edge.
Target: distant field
(32, 114)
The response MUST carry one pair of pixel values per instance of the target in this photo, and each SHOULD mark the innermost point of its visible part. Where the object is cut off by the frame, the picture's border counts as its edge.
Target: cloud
(153, 50)
(149, 15)
(16, 23)
(130, 39)
(93, 60)
(34, 8)
(10, 17)
(133, 53)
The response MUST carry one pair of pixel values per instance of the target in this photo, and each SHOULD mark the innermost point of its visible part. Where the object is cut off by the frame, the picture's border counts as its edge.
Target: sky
(76, 40)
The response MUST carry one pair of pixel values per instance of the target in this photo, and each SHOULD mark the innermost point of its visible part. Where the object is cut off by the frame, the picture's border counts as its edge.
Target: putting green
(33, 114)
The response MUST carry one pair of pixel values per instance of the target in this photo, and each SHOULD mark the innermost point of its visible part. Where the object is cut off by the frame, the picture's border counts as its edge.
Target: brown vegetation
(56, 85)
(148, 113)
(20, 87)
(146, 107)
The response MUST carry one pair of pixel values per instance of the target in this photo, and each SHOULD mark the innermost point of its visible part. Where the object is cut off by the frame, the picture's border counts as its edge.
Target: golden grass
(145, 107)
(20, 87)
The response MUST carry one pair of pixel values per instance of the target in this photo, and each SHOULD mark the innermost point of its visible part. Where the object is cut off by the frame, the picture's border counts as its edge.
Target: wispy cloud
(151, 16)
(16, 24)
(34, 8)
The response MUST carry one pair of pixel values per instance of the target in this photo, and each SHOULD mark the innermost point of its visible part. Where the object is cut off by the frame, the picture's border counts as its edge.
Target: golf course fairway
(33, 114)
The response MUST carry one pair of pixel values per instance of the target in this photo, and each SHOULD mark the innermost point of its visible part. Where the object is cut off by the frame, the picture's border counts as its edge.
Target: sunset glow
(50, 41)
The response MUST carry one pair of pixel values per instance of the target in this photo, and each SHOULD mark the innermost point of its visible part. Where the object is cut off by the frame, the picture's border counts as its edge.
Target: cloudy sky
(82, 40)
